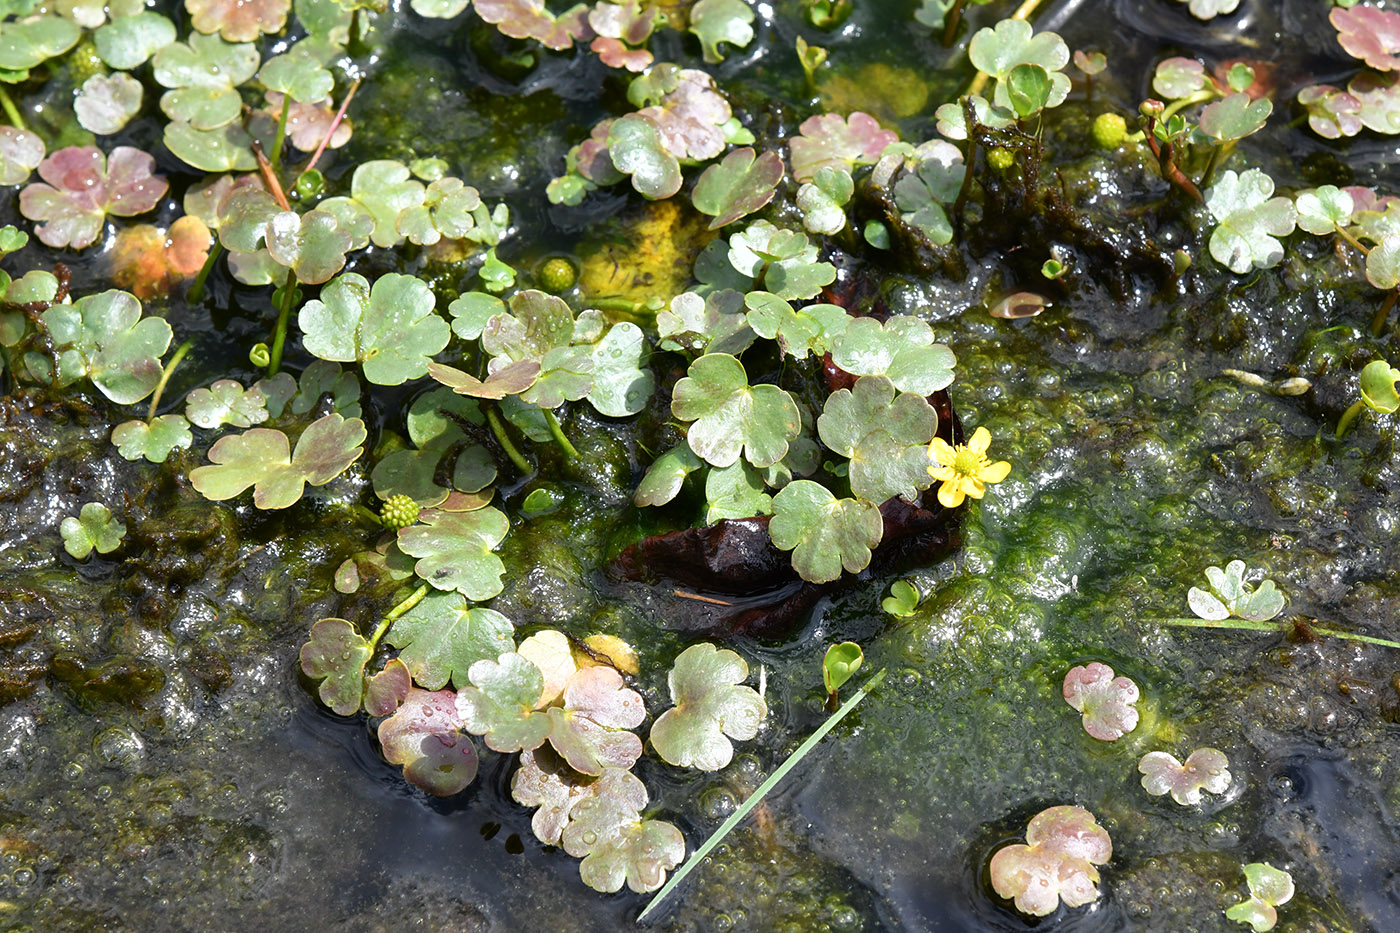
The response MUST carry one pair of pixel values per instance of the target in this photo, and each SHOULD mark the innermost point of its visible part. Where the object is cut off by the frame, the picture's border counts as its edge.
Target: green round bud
(1000, 158)
(558, 275)
(399, 511)
(260, 355)
(1109, 130)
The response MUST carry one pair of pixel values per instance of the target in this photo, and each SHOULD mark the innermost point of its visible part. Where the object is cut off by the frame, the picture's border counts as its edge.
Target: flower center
(966, 462)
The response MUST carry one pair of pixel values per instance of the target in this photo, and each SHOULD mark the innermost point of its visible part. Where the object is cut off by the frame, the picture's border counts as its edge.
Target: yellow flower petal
(944, 473)
(942, 451)
(949, 495)
(994, 472)
(979, 442)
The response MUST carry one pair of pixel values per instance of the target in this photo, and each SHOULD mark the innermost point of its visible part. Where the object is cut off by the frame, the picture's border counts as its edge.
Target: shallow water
(184, 776)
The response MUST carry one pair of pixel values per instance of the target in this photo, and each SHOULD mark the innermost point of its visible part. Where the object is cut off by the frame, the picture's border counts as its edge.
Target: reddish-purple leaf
(238, 20)
(386, 691)
(424, 735)
(83, 186)
(830, 139)
(1370, 34)
(1204, 769)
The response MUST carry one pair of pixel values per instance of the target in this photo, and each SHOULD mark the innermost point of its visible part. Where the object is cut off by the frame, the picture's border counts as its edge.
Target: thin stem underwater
(11, 111)
(757, 796)
(498, 429)
(165, 375)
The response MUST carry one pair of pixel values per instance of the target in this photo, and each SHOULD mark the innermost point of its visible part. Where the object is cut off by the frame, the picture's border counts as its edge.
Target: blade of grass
(757, 796)
(1246, 625)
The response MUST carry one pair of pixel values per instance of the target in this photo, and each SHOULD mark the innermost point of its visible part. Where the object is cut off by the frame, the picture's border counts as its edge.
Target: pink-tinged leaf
(148, 261)
(1332, 112)
(1370, 34)
(529, 19)
(545, 781)
(690, 116)
(737, 186)
(238, 20)
(424, 735)
(83, 187)
(307, 124)
(20, 153)
(1106, 701)
(615, 54)
(1206, 769)
(1057, 863)
(589, 730)
(830, 139)
(386, 691)
(551, 652)
(508, 380)
(626, 21)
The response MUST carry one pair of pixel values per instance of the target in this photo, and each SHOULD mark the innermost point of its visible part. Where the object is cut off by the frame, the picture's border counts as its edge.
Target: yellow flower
(965, 469)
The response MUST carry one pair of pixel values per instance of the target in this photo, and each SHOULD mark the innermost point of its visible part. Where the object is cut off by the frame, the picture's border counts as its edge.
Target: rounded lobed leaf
(454, 550)
(106, 103)
(20, 153)
(1106, 701)
(424, 736)
(442, 637)
(500, 704)
(391, 329)
(588, 731)
(731, 417)
(825, 534)
(1063, 844)
(93, 529)
(1250, 221)
(260, 458)
(336, 655)
(154, 439)
(1206, 769)
(737, 186)
(711, 708)
(636, 149)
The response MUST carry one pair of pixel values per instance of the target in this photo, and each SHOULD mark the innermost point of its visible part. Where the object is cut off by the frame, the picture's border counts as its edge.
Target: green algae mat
(837, 465)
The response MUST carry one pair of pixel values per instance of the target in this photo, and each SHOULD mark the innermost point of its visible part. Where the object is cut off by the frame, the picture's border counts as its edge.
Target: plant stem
(1247, 625)
(335, 125)
(169, 371)
(1346, 234)
(1348, 416)
(757, 796)
(1378, 322)
(1200, 96)
(10, 109)
(279, 336)
(560, 437)
(196, 291)
(412, 600)
(1214, 160)
(950, 29)
(498, 428)
(275, 158)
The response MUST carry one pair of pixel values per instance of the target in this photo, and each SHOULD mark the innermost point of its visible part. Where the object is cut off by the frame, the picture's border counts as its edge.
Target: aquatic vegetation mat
(707, 465)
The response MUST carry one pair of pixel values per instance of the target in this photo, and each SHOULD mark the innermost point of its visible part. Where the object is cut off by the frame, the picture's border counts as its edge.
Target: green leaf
(202, 75)
(784, 260)
(312, 245)
(822, 200)
(922, 194)
(442, 637)
(737, 186)
(260, 457)
(546, 782)
(811, 329)
(226, 149)
(226, 402)
(903, 599)
(471, 311)
(664, 477)
(1028, 89)
(1230, 596)
(902, 348)
(735, 491)
(730, 416)
(385, 187)
(153, 440)
(424, 736)
(93, 529)
(639, 853)
(29, 43)
(105, 338)
(636, 149)
(1269, 887)
(500, 704)
(720, 21)
(1383, 263)
(711, 707)
(840, 664)
(590, 730)
(336, 655)
(622, 383)
(1235, 117)
(454, 550)
(537, 323)
(1378, 380)
(298, 76)
(885, 436)
(998, 51)
(127, 41)
(1250, 221)
(713, 323)
(824, 533)
(391, 328)
(449, 209)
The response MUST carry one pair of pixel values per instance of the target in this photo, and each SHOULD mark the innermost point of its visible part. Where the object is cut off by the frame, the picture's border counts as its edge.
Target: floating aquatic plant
(81, 186)
(1250, 221)
(94, 529)
(264, 459)
(1056, 863)
(425, 736)
(711, 707)
(1229, 595)
(1269, 889)
(1105, 700)
(903, 599)
(1205, 769)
